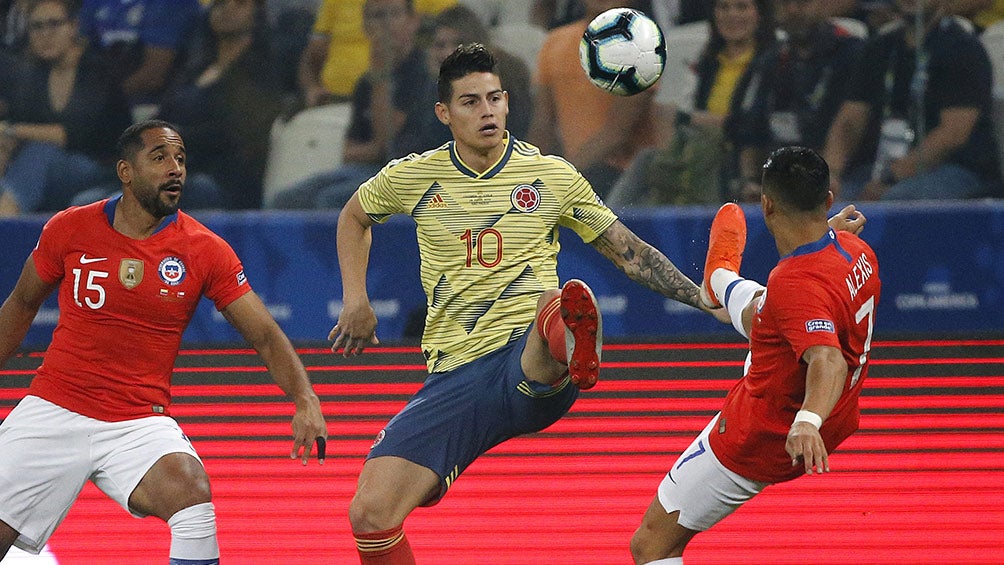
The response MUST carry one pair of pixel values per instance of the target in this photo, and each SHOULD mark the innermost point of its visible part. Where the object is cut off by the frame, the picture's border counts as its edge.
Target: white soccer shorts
(48, 453)
(701, 488)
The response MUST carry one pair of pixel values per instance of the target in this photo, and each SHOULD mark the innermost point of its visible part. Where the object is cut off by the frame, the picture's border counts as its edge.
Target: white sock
(668, 560)
(735, 293)
(193, 535)
(720, 281)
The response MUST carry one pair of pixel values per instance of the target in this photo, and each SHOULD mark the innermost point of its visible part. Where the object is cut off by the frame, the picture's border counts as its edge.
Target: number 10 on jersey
(476, 247)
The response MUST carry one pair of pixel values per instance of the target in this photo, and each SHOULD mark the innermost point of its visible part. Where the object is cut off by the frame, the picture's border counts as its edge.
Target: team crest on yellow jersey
(525, 198)
(130, 273)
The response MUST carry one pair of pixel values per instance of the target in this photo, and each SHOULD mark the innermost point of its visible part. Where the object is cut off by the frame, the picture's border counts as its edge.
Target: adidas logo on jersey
(437, 202)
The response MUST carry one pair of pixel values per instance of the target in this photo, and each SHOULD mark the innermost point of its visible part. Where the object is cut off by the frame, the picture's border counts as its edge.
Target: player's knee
(649, 545)
(201, 491)
(195, 492)
(175, 482)
(193, 489)
(193, 486)
(639, 547)
(368, 513)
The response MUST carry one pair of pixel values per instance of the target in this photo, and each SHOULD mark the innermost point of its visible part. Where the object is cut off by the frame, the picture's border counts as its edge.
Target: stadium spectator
(390, 109)
(64, 115)
(802, 84)
(225, 101)
(338, 52)
(142, 40)
(290, 23)
(596, 131)
(129, 273)
(460, 25)
(917, 124)
(692, 161)
(809, 340)
(336, 55)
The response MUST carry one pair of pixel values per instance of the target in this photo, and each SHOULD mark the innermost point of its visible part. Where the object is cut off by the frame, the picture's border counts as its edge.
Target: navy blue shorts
(458, 415)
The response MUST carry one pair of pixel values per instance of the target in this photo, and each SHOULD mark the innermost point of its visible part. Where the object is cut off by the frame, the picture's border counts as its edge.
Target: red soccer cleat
(583, 333)
(725, 247)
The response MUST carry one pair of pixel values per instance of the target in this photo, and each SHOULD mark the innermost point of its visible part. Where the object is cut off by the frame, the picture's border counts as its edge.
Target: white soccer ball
(623, 51)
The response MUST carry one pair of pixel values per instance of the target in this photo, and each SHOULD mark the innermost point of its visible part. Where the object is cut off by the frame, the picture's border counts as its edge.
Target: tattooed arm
(647, 265)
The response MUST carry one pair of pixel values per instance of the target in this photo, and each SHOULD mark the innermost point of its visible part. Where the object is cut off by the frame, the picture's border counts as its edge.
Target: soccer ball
(622, 51)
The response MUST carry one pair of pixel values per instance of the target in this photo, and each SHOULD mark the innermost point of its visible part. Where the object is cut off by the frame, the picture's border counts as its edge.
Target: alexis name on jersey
(859, 275)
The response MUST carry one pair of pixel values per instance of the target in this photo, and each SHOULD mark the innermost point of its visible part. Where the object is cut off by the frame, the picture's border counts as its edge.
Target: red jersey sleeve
(51, 248)
(225, 280)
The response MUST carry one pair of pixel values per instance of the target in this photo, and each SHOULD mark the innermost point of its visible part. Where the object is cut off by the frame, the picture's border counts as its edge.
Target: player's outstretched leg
(725, 251)
(583, 333)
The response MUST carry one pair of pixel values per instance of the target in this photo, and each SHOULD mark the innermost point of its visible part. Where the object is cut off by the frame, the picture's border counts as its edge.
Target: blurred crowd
(898, 95)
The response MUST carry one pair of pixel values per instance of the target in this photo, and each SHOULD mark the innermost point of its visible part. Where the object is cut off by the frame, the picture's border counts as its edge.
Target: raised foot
(583, 333)
(725, 248)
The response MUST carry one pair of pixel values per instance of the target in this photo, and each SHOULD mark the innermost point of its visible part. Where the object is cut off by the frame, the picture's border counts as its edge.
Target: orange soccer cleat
(725, 247)
(583, 333)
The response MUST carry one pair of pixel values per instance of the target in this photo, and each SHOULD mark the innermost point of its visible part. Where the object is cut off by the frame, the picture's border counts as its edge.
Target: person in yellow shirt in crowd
(338, 52)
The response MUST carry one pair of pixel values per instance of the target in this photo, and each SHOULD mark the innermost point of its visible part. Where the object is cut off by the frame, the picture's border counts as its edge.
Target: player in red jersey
(810, 332)
(130, 272)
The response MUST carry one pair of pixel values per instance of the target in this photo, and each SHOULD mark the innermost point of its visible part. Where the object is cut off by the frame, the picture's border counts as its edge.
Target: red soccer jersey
(824, 293)
(123, 305)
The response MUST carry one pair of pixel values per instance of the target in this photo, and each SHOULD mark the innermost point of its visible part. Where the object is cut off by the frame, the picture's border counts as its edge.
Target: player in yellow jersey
(507, 350)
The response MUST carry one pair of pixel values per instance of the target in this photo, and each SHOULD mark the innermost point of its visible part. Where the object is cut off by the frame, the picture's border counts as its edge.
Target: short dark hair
(798, 177)
(465, 59)
(131, 139)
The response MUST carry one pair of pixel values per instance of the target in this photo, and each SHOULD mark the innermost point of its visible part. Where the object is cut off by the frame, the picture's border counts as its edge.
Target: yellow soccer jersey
(488, 243)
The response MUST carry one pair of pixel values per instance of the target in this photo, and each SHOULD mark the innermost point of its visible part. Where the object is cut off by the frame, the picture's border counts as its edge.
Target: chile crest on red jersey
(171, 270)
